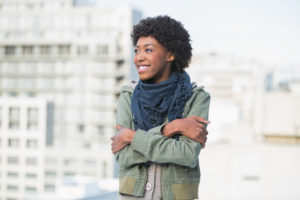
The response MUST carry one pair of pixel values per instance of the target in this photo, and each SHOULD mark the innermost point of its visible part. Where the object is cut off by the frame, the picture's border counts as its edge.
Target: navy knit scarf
(152, 103)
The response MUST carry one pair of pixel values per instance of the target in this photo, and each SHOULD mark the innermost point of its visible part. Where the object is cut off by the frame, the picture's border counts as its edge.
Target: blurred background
(63, 62)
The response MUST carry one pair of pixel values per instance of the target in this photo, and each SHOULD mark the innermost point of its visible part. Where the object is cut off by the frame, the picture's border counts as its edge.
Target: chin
(145, 78)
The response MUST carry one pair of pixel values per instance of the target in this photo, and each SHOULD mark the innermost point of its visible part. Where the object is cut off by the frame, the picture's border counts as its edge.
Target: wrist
(129, 136)
(171, 128)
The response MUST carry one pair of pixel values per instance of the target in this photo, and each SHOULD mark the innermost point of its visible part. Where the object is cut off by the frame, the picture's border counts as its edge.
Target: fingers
(113, 148)
(202, 140)
(114, 151)
(199, 119)
(205, 132)
(201, 137)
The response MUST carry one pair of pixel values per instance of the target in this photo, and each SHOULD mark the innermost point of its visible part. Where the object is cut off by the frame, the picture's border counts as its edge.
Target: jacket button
(148, 186)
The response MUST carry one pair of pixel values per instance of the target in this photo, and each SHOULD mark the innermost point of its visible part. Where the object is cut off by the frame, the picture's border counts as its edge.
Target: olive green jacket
(179, 158)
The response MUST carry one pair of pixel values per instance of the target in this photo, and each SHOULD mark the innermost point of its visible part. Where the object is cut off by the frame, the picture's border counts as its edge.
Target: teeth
(143, 67)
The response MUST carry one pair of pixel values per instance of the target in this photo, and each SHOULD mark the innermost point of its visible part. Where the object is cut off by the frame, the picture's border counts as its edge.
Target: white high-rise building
(26, 129)
(76, 55)
(236, 86)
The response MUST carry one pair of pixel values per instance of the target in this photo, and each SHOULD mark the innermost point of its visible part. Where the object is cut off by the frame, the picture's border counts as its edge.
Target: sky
(264, 30)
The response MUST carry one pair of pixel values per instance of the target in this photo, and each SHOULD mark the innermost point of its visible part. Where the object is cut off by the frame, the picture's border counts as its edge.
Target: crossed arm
(192, 127)
(134, 147)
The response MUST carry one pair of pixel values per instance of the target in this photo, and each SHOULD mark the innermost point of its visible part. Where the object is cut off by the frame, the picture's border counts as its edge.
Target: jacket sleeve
(127, 156)
(160, 149)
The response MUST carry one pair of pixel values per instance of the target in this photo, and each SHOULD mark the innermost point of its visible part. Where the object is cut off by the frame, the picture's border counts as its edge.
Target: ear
(171, 57)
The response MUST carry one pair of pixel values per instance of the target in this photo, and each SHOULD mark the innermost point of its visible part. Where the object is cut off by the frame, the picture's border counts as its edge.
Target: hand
(193, 127)
(121, 139)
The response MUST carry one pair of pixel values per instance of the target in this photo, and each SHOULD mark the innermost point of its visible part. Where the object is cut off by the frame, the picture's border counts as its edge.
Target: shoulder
(129, 88)
(198, 104)
(199, 91)
(126, 93)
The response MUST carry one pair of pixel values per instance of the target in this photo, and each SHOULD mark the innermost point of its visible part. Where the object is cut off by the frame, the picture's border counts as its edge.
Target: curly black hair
(169, 33)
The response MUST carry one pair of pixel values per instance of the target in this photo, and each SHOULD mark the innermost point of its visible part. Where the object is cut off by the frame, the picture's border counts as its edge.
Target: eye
(148, 50)
(136, 51)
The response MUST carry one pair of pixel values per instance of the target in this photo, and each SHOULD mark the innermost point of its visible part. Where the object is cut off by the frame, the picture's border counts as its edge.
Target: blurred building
(281, 114)
(236, 86)
(26, 129)
(29, 164)
(76, 55)
(253, 141)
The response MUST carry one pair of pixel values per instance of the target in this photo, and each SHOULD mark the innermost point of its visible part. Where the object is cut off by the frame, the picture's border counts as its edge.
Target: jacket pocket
(185, 191)
(126, 185)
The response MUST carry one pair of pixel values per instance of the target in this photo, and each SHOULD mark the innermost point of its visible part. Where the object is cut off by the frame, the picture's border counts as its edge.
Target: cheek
(134, 59)
(158, 60)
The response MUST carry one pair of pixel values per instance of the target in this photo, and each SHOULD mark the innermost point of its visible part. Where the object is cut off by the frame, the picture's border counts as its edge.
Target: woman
(162, 121)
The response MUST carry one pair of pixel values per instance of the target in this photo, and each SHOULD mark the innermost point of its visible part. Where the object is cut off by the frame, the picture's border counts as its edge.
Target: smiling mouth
(143, 68)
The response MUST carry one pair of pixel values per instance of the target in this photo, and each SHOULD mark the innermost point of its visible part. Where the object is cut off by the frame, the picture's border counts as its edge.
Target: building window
(83, 50)
(29, 68)
(12, 175)
(32, 114)
(30, 175)
(69, 162)
(14, 115)
(13, 142)
(12, 188)
(102, 49)
(45, 50)
(28, 83)
(9, 50)
(51, 174)
(31, 144)
(31, 161)
(13, 94)
(63, 49)
(12, 160)
(31, 94)
(100, 130)
(80, 128)
(11, 68)
(27, 50)
(69, 174)
(87, 145)
(30, 189)
(49, 188)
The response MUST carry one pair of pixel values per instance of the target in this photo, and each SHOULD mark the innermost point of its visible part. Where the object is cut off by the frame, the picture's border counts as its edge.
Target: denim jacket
(180, 175)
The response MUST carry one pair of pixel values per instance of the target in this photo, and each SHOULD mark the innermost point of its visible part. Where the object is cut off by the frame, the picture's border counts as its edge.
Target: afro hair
(169, 33)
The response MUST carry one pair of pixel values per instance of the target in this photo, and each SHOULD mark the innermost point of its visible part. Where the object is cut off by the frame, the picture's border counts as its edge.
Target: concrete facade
(253, 141)
(24, 127)
(76, 55)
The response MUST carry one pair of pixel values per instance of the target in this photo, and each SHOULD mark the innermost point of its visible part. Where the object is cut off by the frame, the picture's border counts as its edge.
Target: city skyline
(262, 30)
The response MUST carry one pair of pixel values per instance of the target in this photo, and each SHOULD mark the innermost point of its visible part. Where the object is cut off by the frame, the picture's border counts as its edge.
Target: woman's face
(152, 60)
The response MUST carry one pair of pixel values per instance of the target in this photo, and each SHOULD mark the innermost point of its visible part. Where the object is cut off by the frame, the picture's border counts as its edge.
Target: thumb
(201, 120)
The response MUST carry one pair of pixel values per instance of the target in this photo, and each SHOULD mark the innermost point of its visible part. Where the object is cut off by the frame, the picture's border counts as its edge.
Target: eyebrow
(145, 45)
